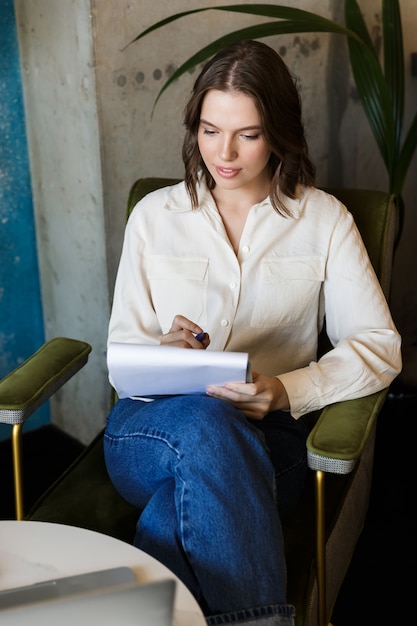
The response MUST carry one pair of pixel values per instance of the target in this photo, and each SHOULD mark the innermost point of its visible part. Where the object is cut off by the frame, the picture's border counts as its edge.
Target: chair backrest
(143, 186)
(373, 212)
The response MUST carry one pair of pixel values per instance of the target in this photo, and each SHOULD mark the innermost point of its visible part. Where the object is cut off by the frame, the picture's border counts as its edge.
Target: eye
(206, 131)
(251, 137)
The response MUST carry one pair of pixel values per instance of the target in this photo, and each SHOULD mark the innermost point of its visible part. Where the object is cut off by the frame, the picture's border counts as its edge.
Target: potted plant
(380, 87)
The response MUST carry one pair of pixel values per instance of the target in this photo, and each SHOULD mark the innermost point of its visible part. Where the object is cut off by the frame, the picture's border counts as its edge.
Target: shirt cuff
(300, 391)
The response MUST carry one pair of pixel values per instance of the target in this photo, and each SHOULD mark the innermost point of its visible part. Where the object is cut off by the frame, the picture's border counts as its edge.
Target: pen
(201, 336)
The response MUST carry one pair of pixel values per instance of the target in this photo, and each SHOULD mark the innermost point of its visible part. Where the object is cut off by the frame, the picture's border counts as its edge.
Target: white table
(32, 552)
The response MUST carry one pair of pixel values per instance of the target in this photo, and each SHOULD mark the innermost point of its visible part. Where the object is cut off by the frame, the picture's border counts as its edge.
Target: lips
(227, 172)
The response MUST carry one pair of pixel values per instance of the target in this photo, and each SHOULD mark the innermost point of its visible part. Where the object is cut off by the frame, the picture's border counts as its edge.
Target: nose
(227, 150)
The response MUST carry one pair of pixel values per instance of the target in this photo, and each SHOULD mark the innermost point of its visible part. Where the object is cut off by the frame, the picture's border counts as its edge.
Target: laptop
(106, 597)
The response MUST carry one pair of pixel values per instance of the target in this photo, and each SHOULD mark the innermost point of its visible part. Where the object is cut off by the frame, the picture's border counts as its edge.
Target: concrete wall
(88, 105)
(58, 68)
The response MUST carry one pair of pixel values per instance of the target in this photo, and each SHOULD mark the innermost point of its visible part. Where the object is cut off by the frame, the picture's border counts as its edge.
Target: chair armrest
(340, 434)
(39, 377)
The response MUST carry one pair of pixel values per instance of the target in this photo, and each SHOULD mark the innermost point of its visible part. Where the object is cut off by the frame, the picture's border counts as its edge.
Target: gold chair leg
(17, 468)
(320, 548)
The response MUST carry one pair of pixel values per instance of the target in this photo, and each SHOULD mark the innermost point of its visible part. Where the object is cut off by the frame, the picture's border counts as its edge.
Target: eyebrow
(255, 127)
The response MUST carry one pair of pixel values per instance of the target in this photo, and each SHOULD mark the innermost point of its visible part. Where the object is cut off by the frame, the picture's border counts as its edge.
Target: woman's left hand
(254, 399)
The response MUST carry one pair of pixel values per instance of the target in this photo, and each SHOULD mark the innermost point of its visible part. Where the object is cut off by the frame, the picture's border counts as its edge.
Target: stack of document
(138, 370)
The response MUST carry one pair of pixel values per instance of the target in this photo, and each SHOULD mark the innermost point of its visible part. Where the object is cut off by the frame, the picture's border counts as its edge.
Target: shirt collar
(179, 201)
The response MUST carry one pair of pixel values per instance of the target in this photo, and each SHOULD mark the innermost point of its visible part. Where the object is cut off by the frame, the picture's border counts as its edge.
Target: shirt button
(245, 249)
(233, 285)
(224, 323)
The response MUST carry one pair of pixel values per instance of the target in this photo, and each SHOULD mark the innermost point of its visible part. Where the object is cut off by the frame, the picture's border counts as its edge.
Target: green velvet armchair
(321, 536)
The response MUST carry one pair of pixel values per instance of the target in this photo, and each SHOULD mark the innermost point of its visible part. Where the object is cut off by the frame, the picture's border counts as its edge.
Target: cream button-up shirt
(270, 299)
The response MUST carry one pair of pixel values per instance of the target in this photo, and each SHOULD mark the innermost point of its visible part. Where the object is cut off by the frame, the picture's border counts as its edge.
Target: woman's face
(231, 142)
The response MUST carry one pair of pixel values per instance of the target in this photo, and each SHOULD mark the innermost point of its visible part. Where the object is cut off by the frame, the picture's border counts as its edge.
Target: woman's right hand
(182, 334)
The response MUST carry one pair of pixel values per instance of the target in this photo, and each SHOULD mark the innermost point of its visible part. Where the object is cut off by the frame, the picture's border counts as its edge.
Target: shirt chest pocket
(288, 291)
(178, 286)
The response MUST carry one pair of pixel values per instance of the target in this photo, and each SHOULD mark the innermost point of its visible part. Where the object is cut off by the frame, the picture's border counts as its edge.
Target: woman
(249, 251)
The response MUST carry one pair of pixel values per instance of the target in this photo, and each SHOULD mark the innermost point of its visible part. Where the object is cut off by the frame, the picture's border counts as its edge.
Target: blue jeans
(209, 483)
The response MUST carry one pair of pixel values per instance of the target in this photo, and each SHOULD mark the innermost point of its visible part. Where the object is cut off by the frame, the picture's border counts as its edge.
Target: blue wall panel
(21, 322)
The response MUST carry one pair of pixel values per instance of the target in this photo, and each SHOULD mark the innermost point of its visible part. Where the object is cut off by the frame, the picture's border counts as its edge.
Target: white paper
(138, 370)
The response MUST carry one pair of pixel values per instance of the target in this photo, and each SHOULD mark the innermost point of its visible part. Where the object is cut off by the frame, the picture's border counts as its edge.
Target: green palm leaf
(262, 10)
(258, 31)
(371, 85)
(353, 16)
(394, 62)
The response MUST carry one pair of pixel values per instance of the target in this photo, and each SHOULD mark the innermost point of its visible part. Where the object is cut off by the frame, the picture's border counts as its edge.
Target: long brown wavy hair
(256, 70)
